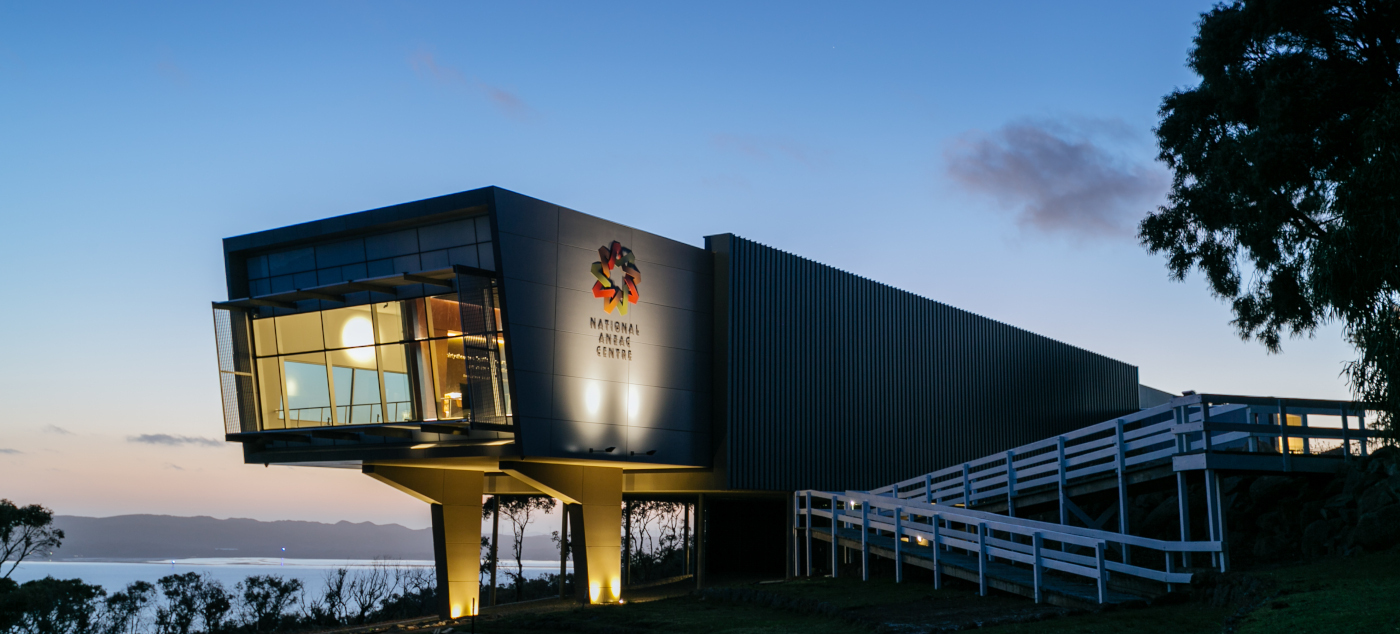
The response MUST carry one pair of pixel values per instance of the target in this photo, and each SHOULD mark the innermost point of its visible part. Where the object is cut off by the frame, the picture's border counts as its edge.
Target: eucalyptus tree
(1286, 176)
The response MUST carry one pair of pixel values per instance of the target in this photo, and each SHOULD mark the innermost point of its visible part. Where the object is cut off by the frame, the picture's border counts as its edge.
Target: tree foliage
(25, 531)
(1286, 175)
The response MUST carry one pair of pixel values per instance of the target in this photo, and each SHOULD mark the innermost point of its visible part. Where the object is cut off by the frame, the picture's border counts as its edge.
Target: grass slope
(1359, 594)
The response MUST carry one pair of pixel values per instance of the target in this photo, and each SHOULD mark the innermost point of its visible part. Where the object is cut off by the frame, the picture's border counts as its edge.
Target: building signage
(615, 337)
(617, 276)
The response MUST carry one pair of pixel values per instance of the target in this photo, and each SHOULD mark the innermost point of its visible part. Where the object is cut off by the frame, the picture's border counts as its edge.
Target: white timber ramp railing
(977, 542)
(932, 520)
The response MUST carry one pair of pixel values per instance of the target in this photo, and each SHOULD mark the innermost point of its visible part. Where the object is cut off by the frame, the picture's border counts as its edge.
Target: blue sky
(993, 156)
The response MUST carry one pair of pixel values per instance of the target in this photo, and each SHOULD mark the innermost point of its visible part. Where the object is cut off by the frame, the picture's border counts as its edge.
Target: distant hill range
(169, 537)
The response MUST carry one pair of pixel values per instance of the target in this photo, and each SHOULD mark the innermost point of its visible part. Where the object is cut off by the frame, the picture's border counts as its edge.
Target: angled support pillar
(594, 499)
(455, 497)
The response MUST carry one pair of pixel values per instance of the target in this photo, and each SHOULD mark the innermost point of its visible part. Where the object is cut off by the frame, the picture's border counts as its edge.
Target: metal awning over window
(442, 278)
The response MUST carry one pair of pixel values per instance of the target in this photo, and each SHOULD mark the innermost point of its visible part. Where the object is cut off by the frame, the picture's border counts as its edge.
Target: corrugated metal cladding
(833, 381)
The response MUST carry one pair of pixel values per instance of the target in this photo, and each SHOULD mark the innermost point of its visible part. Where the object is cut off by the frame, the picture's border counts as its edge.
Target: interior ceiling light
(358, 335)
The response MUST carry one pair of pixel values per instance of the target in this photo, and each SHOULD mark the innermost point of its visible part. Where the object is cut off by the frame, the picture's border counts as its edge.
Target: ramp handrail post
(1183, 444)
(835, 549)
(1121, 465)
(1361, 427)
(1035, 544)
(796, 544)
(865, 541)
(1212, 513)
(937, 546)
(1183, 511)
(1064, 499)
(1205, 425)
(809, 533)
(1103, 574)
(1346, 442)
(1253, 438)
(982, 558)
(967, 487)
(1010, 483)
(1171, 568)
(1307, 440)
(898, 544)
(928, 488)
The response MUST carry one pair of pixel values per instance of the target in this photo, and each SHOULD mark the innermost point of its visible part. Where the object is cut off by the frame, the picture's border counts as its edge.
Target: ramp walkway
(961, 521)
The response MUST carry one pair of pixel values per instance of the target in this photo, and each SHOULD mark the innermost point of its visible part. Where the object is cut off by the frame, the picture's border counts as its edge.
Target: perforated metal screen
(235, 370)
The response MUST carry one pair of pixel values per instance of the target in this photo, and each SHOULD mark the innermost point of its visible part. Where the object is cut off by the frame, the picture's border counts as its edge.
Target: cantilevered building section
(488, 342)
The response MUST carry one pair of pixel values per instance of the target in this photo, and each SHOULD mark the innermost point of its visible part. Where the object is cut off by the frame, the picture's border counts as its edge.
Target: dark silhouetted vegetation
(1286, 176)
(191, 603)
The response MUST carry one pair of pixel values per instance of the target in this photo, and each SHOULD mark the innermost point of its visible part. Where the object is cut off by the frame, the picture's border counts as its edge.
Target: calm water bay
(114, 576)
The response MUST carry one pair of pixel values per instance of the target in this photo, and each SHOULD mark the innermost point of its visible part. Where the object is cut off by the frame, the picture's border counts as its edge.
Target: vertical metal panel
(233, 342)
(836, 382)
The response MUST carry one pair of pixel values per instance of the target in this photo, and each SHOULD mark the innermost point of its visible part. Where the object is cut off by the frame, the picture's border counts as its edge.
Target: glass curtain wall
(400, 361)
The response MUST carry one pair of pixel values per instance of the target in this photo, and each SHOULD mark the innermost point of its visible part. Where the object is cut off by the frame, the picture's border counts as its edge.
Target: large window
(401, 361)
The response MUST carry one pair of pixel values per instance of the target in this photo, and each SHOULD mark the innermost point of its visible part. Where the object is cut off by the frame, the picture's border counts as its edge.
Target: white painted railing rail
(983, 535)
(1229, 423)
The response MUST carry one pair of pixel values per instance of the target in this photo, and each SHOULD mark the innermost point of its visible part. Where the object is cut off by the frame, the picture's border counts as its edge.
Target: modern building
(487, 342)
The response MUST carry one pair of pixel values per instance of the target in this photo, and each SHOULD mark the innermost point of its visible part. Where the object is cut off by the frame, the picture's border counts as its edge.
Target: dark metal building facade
(831, 381)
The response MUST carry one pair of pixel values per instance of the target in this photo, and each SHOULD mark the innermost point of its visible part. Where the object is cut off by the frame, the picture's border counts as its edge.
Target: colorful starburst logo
(616, 270)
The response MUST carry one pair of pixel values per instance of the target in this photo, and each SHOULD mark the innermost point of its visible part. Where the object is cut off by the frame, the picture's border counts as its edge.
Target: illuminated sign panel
(609, 328)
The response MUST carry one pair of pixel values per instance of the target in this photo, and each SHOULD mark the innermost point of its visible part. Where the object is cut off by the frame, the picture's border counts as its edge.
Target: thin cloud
(426, 64)
(171, 465)
(55, 429)
(1056, 178)
(766, 148)
(167, 439)
(10, 451)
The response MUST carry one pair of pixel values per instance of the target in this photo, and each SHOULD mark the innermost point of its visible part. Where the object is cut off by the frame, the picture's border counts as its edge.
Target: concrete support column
(455, 497)
(594, 496)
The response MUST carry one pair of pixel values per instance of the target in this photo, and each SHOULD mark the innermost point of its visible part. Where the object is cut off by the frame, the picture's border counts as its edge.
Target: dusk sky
(994, 156)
